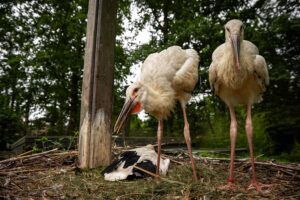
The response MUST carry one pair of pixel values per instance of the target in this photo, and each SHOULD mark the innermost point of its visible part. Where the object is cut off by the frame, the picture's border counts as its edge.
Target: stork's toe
(254, 185)
(228, 186)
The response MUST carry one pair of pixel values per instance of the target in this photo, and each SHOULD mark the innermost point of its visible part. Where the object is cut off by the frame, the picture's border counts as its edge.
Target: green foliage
(11, 128)
(42, 50)
(45, 143)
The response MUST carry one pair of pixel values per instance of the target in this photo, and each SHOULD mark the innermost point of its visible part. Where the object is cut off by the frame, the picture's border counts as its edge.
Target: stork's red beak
(235, 41)
(124, 114)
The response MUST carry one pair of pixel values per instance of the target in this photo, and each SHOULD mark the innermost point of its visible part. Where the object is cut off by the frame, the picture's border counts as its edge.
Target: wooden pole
(97, 87)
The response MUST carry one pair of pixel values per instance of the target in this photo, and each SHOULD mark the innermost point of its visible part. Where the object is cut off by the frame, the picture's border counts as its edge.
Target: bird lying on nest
(143, 157)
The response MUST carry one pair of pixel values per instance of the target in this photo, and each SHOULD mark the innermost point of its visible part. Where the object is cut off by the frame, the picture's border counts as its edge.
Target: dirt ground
(55, 176)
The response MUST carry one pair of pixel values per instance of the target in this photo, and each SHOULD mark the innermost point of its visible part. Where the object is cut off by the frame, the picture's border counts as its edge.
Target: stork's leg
(159, 137)
(233, 134)
(188, 140)
(249, 130)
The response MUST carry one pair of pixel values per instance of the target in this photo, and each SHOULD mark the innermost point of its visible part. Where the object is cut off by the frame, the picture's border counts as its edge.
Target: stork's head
(234, 33)
(132, 104)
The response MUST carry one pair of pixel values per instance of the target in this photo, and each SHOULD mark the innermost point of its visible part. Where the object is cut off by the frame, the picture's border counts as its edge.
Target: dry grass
(64, 181)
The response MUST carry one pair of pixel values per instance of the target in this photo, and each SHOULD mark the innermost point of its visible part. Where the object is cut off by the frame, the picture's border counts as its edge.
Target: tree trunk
(27, 113)
(73, 121)
(13, 98)
(165, 28)
(96, 104)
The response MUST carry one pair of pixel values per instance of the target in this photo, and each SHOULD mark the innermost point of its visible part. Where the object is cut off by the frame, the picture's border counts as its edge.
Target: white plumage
(238, 75)
(143, 157)
(242, 82)
(166, 77)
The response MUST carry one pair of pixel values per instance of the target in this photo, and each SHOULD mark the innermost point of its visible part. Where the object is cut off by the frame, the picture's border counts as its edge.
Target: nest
(53, 175)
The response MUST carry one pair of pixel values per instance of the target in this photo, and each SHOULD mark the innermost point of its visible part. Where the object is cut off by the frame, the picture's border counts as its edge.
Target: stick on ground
(28, 156)
(157, 176)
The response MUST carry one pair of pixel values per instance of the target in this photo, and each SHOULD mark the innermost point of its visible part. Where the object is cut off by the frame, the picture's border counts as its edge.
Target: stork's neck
(158, 98)
(230, 60)
(231, 76)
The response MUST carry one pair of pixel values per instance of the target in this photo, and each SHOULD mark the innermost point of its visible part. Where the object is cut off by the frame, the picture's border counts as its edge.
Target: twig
(7, 188)
(125, 195)
(257, 163)
(296, 195)
(147, 172)
(22, 171)
(259, 156)
(157, 176)
(28, 156)
(13, 182)
(155, 145)
(166, 157)
(14, 168)
(25, 153)
(66, 153)
(294, 175)
(277, 165)
(219, 159)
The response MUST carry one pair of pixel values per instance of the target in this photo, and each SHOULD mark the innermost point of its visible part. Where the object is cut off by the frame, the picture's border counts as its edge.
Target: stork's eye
(135, 90)
(227, 29)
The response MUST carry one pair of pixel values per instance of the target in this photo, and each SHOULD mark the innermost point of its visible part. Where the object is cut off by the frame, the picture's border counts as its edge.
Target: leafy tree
(42, 50)
(11, 128)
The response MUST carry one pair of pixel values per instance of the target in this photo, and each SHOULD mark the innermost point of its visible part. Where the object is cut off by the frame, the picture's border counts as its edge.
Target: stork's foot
(254, 185)
(228, 186)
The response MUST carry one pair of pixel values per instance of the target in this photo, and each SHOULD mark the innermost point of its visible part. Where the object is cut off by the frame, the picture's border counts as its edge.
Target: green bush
(11, 128)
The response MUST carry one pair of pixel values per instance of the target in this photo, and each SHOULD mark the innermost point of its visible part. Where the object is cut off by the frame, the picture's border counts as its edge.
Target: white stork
(238, 75)
(166, 77)
(143, 157)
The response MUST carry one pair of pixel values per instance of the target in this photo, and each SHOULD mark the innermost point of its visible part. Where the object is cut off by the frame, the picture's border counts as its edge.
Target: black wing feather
(129, 157)
(146, 165)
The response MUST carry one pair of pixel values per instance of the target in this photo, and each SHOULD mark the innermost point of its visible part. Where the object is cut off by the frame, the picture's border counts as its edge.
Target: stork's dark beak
(124, 114)
(235, 40)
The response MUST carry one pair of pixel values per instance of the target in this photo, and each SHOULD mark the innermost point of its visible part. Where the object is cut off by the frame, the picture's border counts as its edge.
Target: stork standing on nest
(238, 75)
(166, 77)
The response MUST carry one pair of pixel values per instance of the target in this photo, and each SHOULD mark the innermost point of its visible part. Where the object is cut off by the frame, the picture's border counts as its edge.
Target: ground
(54, 176)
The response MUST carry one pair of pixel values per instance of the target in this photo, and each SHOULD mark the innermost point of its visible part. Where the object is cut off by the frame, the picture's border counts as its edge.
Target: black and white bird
(143, 157)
